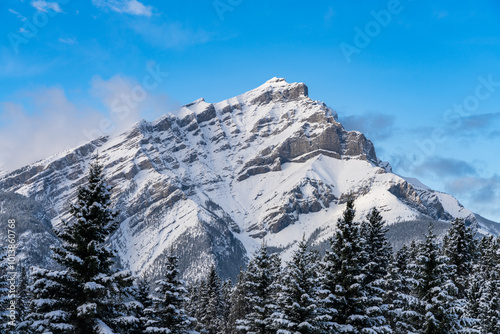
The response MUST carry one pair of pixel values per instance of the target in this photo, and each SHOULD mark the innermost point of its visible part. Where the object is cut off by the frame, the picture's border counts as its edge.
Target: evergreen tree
(260, 286)
(211, 304)
(436, 290)
(135, 311)
(460, 248)
(403, 305)
(297, 299)
(6, 322)
(145, 303)
(168, 314)
(227, 290)
(343, 296)
(193, 305)
(377, 253)
(24, 299)
(484, 284)
(82, 296)
(238, 306)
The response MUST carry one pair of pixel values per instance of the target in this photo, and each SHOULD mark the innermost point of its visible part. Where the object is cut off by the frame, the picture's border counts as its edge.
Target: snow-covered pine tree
(261, 280)
(297, 297)
(211, 304)
(489, 306)
(342, 304)
(227, 290)
(436, 290)
(134, 318)
(377, 254)
(82, 296)
(168, 314)
(193, 305)
(238, 306)
(141, 305)
(4, 294)
(460, 247)
(24, 298)
(403, 304)
(484, 286)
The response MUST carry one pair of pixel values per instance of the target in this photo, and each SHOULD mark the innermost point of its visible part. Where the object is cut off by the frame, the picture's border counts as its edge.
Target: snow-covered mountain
(216, 179)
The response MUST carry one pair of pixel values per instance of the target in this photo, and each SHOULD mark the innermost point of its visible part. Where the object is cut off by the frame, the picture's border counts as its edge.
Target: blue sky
(420, 78)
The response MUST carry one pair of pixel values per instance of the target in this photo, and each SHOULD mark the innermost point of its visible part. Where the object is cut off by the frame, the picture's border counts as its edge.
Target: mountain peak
(275, 79)
(276, 90)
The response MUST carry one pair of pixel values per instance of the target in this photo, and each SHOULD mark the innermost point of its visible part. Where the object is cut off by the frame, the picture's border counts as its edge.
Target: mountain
(215, 179)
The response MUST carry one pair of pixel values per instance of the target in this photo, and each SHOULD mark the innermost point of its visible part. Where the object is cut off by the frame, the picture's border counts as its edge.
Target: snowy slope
(214, 180)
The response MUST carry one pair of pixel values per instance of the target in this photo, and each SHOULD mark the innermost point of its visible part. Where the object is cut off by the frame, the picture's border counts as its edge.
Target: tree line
(358, 286)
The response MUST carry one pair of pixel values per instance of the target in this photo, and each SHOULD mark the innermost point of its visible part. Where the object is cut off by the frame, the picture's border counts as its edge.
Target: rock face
(215, 179)
(33, 233)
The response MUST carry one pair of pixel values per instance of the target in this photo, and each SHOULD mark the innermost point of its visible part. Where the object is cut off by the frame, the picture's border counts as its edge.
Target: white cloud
(127, 101)
(115, 94)
(67, 40)
(44, 6)
(132, 7)
(37, 124)
(56, 126)
(481, 194)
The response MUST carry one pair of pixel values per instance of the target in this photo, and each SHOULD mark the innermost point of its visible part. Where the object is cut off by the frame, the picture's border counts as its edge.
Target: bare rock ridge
(216, 178)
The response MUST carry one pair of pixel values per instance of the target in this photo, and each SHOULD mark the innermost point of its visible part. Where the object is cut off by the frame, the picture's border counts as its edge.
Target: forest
(359, 285)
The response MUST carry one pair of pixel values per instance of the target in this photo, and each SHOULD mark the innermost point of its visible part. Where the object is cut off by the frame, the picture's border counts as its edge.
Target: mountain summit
(217, 178)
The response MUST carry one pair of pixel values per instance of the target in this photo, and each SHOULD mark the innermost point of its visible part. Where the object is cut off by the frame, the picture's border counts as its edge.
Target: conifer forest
(359, 285)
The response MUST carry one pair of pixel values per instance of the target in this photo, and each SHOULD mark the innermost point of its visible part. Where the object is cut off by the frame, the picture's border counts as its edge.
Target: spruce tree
(82, 296)
(460, 248)
(193, 305)
(23, 303)
(260, 287)
(404, 306)
(377, 253)
(168, 314)
(135, 311)
(297, 298)
(238, 306)
(343, 297)
(212, 304)
(484, 285)
(6, 322)
(436, 290)
(227, 290)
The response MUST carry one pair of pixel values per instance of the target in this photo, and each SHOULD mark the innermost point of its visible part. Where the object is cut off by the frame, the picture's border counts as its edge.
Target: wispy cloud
(462, 179)
(46, 6)
(27, 137)
(118, 95)
(444, 168)
(479, 122)
(482, 194)
(376, 126)
(19, 16)
(67, 40)
(38, 123)
(132, 7)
